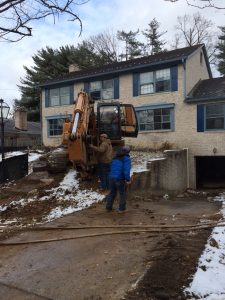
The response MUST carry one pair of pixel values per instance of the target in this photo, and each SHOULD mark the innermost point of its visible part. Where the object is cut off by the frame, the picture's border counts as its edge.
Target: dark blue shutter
(71, 94)
(47, 97)
(174, 78)
(135, 84)
(116, 88)
(200, 118)
(86, 87)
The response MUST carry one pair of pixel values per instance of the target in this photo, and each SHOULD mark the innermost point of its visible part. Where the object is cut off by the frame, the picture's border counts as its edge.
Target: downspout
(41, 106)
(188, 175)
(185, 95)
(184, 78)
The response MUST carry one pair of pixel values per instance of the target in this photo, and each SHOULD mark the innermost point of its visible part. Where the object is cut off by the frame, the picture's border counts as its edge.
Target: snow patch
(139, 160)
(208, 282)
(68, 190)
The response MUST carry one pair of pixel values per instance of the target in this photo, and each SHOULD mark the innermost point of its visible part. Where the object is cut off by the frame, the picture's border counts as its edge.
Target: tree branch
(16, 15)
(203, 4)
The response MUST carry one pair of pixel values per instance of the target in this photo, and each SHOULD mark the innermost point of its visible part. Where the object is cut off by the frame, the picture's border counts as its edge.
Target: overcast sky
(96, 16)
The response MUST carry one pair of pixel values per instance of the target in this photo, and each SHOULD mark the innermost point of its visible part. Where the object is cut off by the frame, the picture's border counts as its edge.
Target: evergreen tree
(152, 34)
(51, 63)
(133, 47)
(221, 51)
(48, 64)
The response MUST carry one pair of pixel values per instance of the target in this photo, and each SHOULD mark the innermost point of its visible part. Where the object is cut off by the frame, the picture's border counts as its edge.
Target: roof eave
(195, 100)
(72, 80)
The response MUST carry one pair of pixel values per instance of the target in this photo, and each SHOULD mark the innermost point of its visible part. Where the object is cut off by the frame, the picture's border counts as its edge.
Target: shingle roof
(159, 58)
(32, 127)
(208, 89)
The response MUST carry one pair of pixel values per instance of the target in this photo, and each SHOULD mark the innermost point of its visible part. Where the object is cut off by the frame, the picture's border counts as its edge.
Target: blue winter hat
(126, 149)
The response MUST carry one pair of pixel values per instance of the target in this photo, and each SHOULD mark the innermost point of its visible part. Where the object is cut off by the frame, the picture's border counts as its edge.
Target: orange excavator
(115, 119)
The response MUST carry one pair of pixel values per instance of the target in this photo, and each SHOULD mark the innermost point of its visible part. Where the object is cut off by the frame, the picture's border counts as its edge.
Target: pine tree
(221, 52)
(51, 63)
(133, 47)
(47, 65)
(152, 34)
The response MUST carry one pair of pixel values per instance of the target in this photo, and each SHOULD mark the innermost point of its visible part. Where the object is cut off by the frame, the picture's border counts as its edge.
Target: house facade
(168, 91)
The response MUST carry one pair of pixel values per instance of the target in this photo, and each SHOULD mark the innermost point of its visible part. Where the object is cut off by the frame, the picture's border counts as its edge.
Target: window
(155, 119)
(102, 89)
(214, 116)
(59, 96)
(154, 82)
(55, 126)
(162, 80)
(146, 83)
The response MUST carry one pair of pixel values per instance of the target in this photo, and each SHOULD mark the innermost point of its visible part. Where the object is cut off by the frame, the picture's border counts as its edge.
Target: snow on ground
(140, 159)
(11, 154)
(81, 198)
(32, 156)
(68, 190)
(208, 282)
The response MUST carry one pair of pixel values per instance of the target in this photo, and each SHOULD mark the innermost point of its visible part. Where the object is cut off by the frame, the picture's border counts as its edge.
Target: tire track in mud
(169, 267)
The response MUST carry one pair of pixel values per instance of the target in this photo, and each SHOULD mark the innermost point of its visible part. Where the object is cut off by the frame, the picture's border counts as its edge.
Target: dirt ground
(109, 258)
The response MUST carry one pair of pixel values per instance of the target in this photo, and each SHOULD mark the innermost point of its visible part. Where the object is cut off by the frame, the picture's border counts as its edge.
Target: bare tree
(17, 16)
(203, 3)
(195, 29)
(106, 45)
(176, 42)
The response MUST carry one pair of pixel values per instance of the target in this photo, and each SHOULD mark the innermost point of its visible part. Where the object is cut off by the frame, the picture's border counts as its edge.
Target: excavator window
(117, 120)
(129, 124)
(109, 121)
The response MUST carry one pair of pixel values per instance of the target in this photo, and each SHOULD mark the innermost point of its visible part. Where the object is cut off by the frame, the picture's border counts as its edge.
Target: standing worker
(119, 177)
(104, 159)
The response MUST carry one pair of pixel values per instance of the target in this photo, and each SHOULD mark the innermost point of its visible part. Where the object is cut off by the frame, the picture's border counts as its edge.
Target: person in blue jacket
(119, 176)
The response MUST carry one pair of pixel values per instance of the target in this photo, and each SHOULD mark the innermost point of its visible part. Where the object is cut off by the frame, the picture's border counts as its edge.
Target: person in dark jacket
(119, 176)
(104, 159)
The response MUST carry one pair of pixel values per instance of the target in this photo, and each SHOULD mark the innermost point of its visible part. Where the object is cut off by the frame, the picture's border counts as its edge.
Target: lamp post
(4, 111)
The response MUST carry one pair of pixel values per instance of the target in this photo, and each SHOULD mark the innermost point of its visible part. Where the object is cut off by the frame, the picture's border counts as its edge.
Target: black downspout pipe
(2, 148)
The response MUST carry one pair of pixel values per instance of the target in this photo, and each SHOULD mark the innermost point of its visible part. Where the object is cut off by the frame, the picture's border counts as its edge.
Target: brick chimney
(21, 118)
(73, 68)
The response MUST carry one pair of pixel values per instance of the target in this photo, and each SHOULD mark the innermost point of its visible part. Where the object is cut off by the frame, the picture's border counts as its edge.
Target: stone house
(177, 102)
(20, 133)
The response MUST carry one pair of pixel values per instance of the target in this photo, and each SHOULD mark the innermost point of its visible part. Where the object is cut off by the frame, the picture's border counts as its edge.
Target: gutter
(72, 80)
(189, 100)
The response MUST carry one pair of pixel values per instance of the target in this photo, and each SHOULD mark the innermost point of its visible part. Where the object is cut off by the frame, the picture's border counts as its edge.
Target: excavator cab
(117, 120)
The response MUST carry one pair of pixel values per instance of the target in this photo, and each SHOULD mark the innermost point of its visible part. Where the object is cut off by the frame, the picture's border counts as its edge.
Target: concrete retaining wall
(168, 175)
